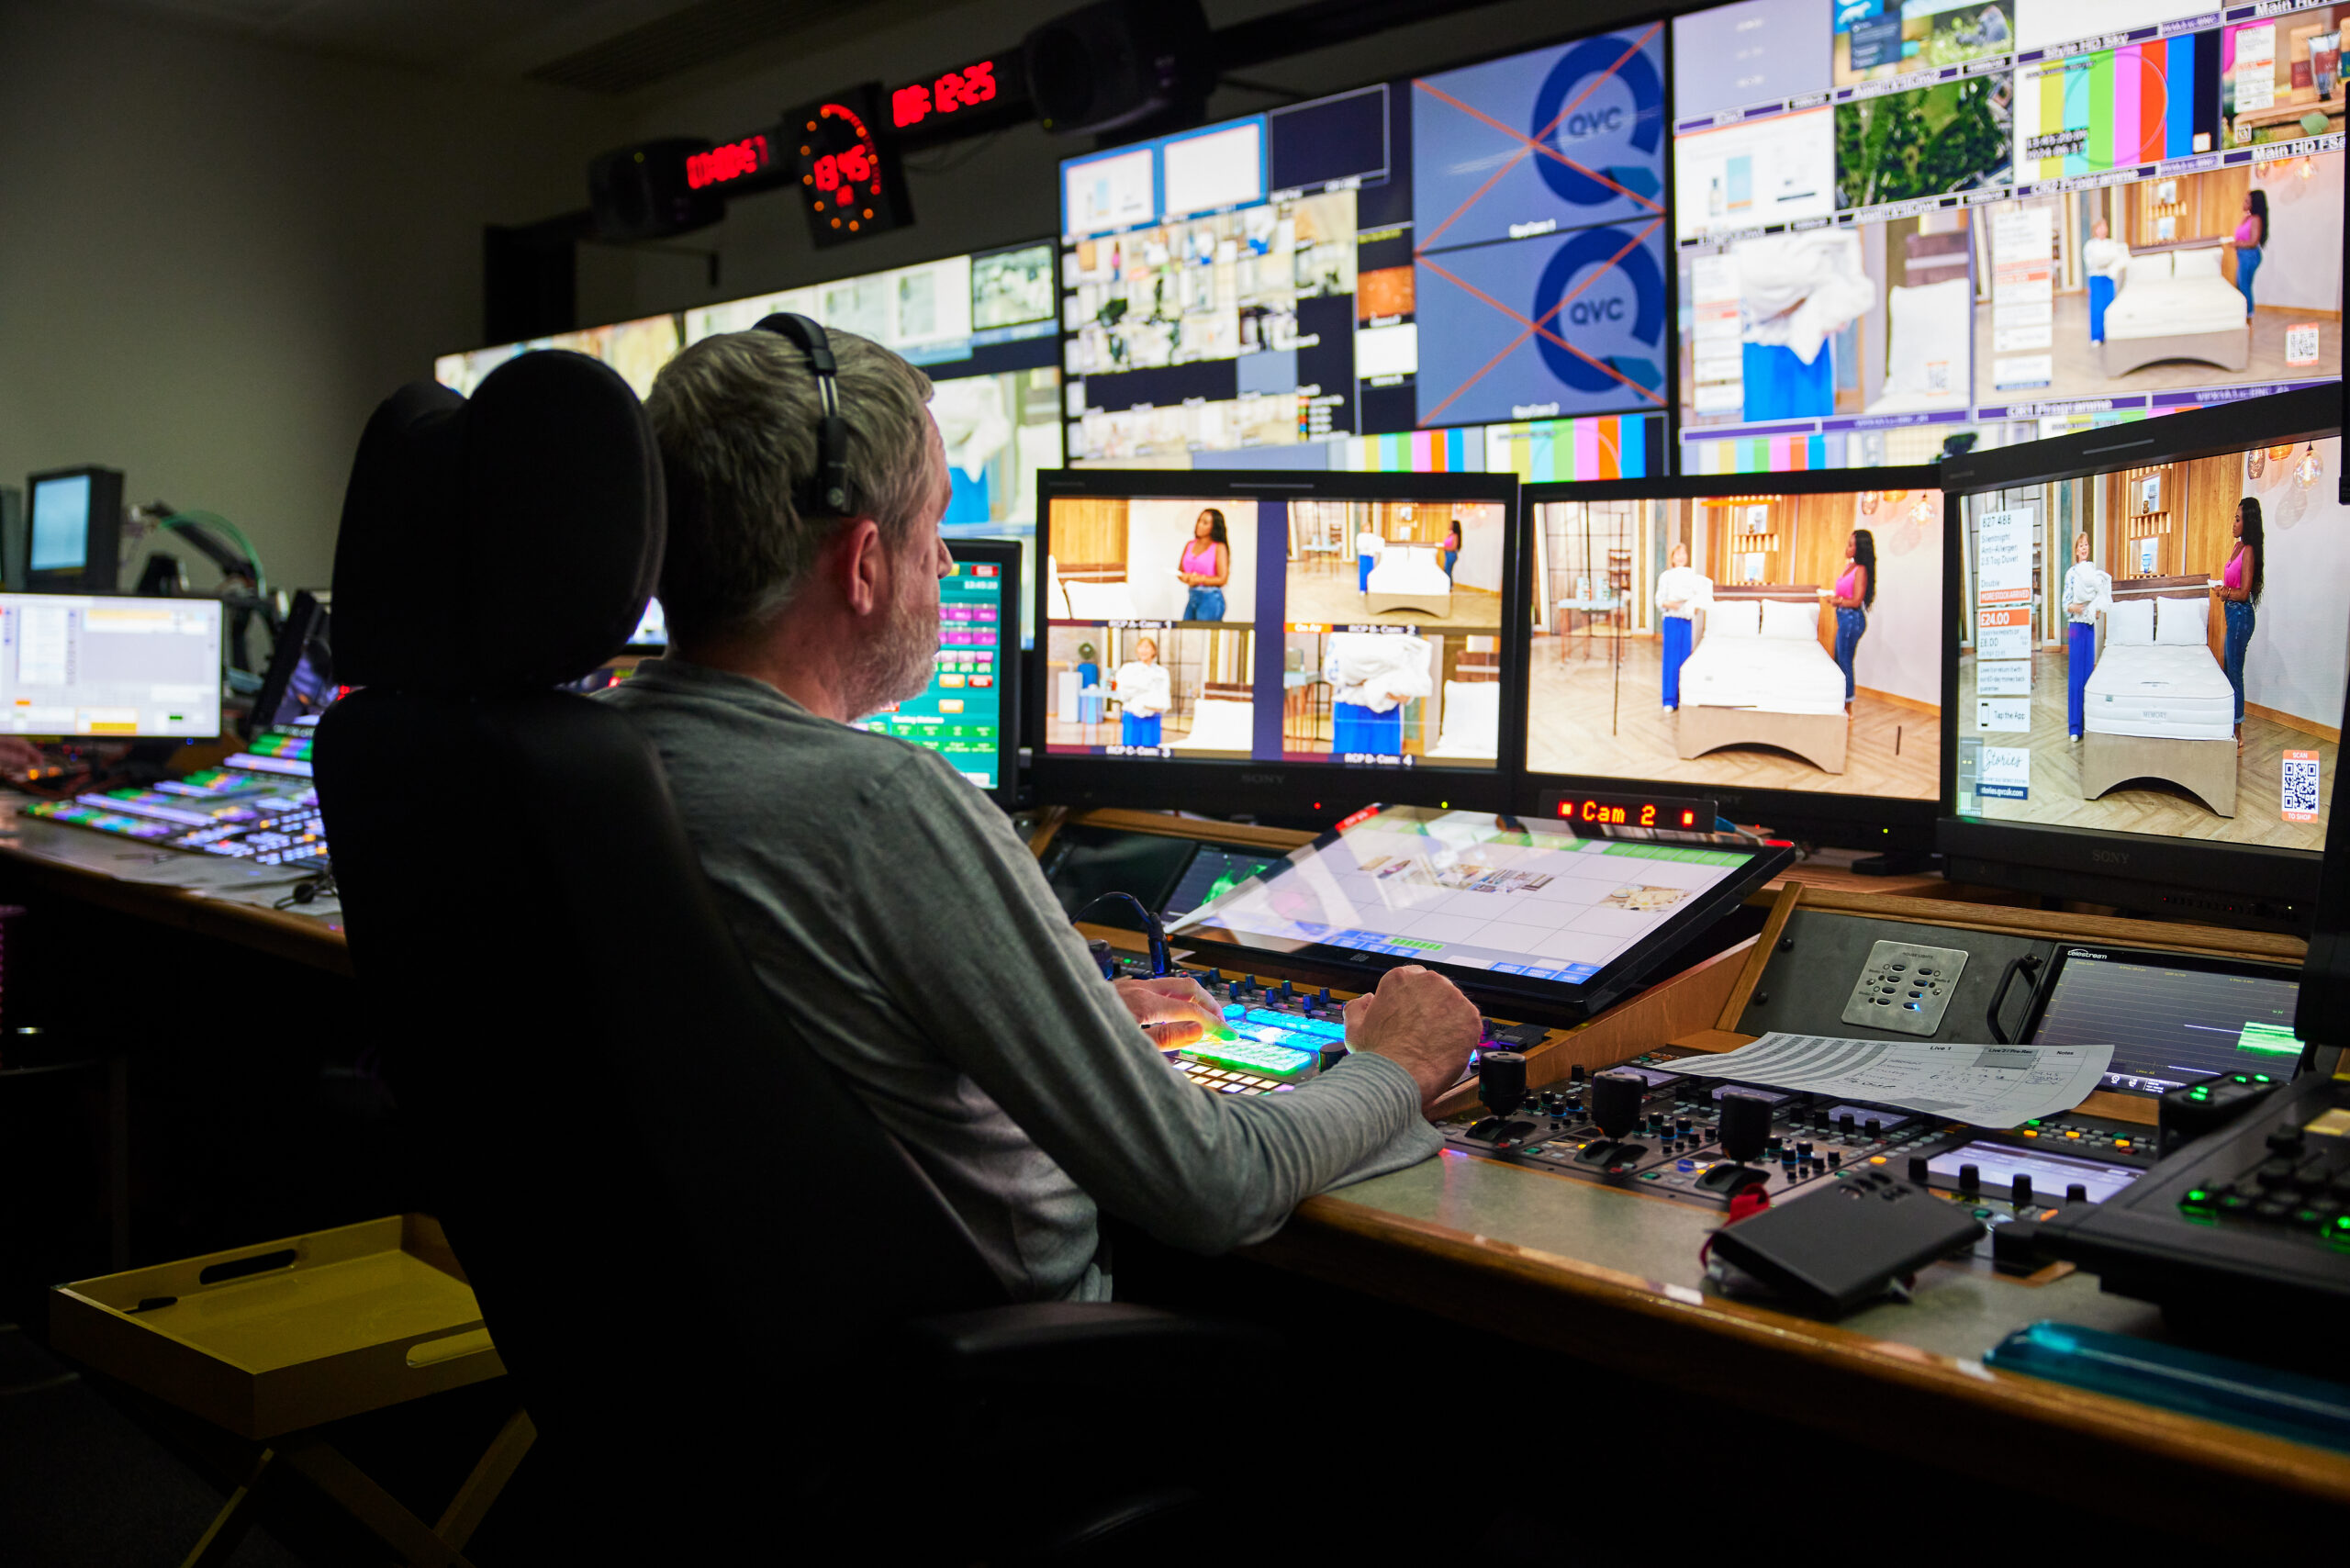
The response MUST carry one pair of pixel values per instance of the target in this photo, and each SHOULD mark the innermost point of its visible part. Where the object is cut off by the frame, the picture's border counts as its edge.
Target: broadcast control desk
(1608, 1270)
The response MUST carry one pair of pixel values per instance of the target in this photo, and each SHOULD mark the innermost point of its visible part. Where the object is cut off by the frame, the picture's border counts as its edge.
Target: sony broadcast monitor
(1291, 644)
(1770, 643)
(2149, 661)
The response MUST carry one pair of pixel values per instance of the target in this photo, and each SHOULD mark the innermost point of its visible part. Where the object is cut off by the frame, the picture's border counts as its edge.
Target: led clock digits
(724, 165)
(840, 170)
(948, 94)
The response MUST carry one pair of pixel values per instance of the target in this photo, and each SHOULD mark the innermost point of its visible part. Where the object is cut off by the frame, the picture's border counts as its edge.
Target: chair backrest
(645, 1170)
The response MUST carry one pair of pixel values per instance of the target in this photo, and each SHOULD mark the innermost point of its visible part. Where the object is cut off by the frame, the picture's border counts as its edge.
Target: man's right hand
(1419, 1020)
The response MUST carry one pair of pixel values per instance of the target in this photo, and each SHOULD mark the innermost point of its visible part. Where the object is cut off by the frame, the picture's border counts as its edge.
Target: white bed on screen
(1926, 349)
(2176, 304)
(1220, 725)
(1410, 577)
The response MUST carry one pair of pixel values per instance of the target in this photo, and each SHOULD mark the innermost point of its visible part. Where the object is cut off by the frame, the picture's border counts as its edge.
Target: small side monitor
(75, 529)
(969, 714)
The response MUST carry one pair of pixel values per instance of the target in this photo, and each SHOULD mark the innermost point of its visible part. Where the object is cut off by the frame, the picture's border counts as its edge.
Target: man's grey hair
(735, 415)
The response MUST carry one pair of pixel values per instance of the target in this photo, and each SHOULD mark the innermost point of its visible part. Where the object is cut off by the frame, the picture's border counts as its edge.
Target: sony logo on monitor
(1263, 778)
(2111, 856)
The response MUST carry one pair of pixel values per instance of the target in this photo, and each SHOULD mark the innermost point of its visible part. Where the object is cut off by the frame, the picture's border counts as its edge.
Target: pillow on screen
(2184, 623)
(1790, 620)
(2195, 263)
(1931, 326)
(2130, 623)
(1732, 618)
(2154, 268)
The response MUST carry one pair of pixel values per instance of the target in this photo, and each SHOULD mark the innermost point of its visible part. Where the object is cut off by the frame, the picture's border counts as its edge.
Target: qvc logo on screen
(1584, 124)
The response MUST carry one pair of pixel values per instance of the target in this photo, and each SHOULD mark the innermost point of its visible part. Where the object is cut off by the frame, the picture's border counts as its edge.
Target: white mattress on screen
(2175, 307)
(2160, 692)
(1776, 675)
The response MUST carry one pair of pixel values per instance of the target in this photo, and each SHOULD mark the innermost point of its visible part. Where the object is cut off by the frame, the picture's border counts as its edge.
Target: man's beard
(896, 665)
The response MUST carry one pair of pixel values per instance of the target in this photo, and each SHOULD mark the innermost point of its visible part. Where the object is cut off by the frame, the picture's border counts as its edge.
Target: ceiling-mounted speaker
(641, 192)
(1118, 62)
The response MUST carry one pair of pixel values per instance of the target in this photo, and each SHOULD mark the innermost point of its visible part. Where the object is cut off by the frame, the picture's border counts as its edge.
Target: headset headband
(827, 494)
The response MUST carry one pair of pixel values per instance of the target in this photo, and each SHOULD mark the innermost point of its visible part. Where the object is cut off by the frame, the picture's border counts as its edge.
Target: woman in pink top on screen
(2251, 238)
(1855, 591)
(1205, 567)
(2239, 591)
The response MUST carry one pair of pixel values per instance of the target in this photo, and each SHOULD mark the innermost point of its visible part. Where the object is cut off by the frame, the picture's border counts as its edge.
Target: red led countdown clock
(850, 183)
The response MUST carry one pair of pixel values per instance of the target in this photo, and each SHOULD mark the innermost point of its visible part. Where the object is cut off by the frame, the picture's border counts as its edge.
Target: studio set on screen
(1293, 780)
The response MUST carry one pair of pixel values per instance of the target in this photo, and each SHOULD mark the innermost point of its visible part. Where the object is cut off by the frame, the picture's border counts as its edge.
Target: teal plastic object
(2194, 1382)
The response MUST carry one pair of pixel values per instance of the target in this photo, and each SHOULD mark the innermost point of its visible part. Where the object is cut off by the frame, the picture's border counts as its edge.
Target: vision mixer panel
(259, 805)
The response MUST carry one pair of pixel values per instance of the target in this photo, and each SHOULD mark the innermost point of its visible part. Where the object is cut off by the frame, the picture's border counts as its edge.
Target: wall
(2302, 263)
(220, 256)
(2300, 640)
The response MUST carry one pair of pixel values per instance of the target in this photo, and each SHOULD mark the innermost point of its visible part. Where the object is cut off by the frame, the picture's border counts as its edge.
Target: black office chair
(705, 1265)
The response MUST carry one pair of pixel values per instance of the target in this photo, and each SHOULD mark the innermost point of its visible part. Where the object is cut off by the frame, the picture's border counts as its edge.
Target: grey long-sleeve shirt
(898, 920)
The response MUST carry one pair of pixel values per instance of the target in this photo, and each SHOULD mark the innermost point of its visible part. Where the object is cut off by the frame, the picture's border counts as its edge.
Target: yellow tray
(289, 1335)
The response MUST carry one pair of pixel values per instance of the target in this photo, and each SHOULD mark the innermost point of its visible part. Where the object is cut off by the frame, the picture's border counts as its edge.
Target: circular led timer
(840, 170)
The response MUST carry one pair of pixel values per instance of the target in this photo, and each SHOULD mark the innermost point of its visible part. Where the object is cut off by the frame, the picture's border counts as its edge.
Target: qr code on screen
(2299, 800)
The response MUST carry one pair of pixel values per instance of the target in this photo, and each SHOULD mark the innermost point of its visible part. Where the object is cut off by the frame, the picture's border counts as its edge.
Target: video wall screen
(1363, 633)
(2159, 650)
(1751, 642)
(2009, 220)
(1463, 271)
(983, 327)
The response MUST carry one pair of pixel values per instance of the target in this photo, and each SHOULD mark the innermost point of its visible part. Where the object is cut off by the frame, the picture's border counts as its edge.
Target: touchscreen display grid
(961, 715)
(1760, 641)
(1356, 632)
(1457, 888)
(2159, 651)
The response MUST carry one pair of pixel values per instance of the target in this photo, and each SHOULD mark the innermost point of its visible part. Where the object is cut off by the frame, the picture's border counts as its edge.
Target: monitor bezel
(101, 568)
(306, 621)
(2098, 863)
(1005, 555)
(1302, 789)
(1852, 821)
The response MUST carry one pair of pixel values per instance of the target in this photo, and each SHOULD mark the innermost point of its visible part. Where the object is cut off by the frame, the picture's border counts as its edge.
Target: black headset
(827, 494)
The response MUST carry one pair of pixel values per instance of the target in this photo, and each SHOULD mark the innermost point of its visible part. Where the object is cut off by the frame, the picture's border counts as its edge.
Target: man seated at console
(889, 907)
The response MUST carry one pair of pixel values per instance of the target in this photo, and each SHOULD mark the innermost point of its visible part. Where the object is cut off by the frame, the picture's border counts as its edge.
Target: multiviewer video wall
(2009, 219)
(1769, 236)
(981, 325)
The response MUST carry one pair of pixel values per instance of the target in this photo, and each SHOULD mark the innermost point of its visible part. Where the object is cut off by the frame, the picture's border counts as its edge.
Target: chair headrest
(507, 541)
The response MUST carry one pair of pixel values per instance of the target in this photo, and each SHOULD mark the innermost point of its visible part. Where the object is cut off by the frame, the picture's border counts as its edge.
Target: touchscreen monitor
(1526, 909)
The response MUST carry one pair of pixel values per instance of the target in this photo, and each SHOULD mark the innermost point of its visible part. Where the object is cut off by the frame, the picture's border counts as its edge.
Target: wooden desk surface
(82, 865)
(1613, 1276)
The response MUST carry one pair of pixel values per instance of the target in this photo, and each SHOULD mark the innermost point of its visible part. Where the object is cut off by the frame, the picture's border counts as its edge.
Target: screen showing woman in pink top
(1205, 567)
(2252, 238)
(1855, 592)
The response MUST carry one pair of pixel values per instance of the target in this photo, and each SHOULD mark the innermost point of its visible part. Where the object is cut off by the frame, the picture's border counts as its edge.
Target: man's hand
(1173, 1009)
(1419, 1020)
(18, 754)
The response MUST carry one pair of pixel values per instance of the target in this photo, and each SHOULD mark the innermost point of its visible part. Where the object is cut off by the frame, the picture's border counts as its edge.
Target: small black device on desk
(1841, 1246)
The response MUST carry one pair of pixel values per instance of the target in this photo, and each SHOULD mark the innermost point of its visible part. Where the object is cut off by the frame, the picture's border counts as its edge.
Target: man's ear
(861, 564)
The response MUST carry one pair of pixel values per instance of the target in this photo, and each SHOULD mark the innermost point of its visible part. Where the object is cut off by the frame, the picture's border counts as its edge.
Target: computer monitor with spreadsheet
(77, 665)
(2150, 662)
(1286, 641)
(971, 713)
(1772, 644)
